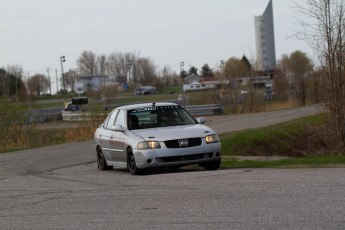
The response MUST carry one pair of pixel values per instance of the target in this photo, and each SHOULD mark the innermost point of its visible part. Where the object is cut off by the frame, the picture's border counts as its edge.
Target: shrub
(13, 119)
(301, 137)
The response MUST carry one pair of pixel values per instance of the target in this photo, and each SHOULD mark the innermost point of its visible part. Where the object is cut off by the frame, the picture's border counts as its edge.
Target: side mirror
(201, 120)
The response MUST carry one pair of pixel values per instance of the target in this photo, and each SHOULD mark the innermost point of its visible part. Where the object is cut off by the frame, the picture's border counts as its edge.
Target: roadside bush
(13, 119)
(86, 129)
(302, 137)
(16, 133)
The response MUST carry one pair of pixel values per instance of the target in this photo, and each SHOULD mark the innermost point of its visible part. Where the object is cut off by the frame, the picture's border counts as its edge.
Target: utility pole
(57, 84)
(16, 87)
(164, 76)
(62, 59)
(27, 85)
(181, 77)
(129, 72)
(50, 87)
(182, 92)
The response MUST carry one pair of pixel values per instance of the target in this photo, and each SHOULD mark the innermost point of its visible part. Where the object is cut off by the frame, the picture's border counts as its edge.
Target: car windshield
(158, 116)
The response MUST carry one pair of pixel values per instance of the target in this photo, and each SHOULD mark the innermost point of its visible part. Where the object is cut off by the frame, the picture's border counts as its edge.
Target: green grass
(173, 89)
(295, 162)
(146, 98)
(287, 139)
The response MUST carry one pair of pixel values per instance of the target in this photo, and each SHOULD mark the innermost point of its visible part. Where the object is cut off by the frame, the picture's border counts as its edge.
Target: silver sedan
(152, 135)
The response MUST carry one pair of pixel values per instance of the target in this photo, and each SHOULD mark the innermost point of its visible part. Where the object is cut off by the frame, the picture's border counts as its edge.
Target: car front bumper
(177, 156)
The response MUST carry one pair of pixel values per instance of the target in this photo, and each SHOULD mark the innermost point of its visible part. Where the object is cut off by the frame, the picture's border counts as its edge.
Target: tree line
(295, 78)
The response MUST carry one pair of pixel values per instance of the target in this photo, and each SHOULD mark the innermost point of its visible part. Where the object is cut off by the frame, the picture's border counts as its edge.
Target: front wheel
(213, 165)
(101, 162)
(131, 164)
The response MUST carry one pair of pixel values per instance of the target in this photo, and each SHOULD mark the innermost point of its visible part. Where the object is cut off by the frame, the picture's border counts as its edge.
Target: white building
(265, 44)
(196, 82)
(199, 86)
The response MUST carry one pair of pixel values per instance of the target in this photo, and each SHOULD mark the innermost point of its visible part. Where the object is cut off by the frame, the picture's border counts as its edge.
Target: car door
(116, 142)
(105, 135)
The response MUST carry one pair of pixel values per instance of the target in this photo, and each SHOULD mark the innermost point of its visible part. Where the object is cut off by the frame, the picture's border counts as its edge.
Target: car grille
(185, 157)
(172, 144)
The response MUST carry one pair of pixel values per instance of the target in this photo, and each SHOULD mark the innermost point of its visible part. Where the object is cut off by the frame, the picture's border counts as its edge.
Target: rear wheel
(213, 165)
(131, 164)
(101, 162)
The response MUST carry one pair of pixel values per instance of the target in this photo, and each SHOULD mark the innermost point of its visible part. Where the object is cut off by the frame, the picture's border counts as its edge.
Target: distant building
(192, 78)
(196, 82)
(96, 82)
(265, 44)
(199, 86)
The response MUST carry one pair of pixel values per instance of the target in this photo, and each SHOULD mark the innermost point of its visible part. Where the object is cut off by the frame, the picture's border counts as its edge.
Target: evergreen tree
(206, 71)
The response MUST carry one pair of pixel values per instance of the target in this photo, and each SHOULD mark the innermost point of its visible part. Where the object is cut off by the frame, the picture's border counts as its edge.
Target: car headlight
(149, 145)
(212, 139)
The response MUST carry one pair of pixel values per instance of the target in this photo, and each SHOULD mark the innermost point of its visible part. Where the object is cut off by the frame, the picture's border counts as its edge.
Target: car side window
(111, 120)
(104, 125)
(120, 120)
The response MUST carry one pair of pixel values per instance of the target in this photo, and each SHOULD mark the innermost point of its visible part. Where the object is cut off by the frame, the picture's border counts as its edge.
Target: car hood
(174, 132)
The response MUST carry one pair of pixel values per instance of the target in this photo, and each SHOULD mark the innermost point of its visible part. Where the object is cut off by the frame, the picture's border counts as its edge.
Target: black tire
(101, 162)
(131, 164)
(213, 165)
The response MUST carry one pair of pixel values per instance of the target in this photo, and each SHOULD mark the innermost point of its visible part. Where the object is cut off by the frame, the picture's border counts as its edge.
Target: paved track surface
(59, 187)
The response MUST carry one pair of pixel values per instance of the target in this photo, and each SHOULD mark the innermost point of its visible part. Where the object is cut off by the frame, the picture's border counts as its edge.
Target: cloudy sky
(35, 33)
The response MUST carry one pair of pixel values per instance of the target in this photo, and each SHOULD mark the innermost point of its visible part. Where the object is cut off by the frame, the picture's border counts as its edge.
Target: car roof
(144, 105)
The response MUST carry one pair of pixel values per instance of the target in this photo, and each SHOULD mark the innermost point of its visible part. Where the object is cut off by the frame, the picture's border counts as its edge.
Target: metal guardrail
(43, 115)
(74, 116)
(212, 109)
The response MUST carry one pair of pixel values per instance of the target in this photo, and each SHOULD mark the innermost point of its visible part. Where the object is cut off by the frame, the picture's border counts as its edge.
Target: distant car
(152, 135)
(71, 107)
(145, 90)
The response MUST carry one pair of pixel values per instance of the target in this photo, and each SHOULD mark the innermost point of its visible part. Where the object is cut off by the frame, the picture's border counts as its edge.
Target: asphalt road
(59, 187)
(230, 123)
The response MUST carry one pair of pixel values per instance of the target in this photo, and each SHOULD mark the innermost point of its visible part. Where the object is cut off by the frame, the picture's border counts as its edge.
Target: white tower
(265, 45)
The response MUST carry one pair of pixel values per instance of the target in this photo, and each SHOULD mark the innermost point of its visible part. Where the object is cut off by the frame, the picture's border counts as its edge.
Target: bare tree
(87, 63)
(17, 72)
(37, 84)
(236, 70)
(3, 82)
(316, 90)
(109, 92)
(147, 71)
(102, 64)
(71, 78)
(282, 83)
(168, 75)
(11, 83)
(116, 67)
(122, 65)
(300, 67)
(323, 27)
